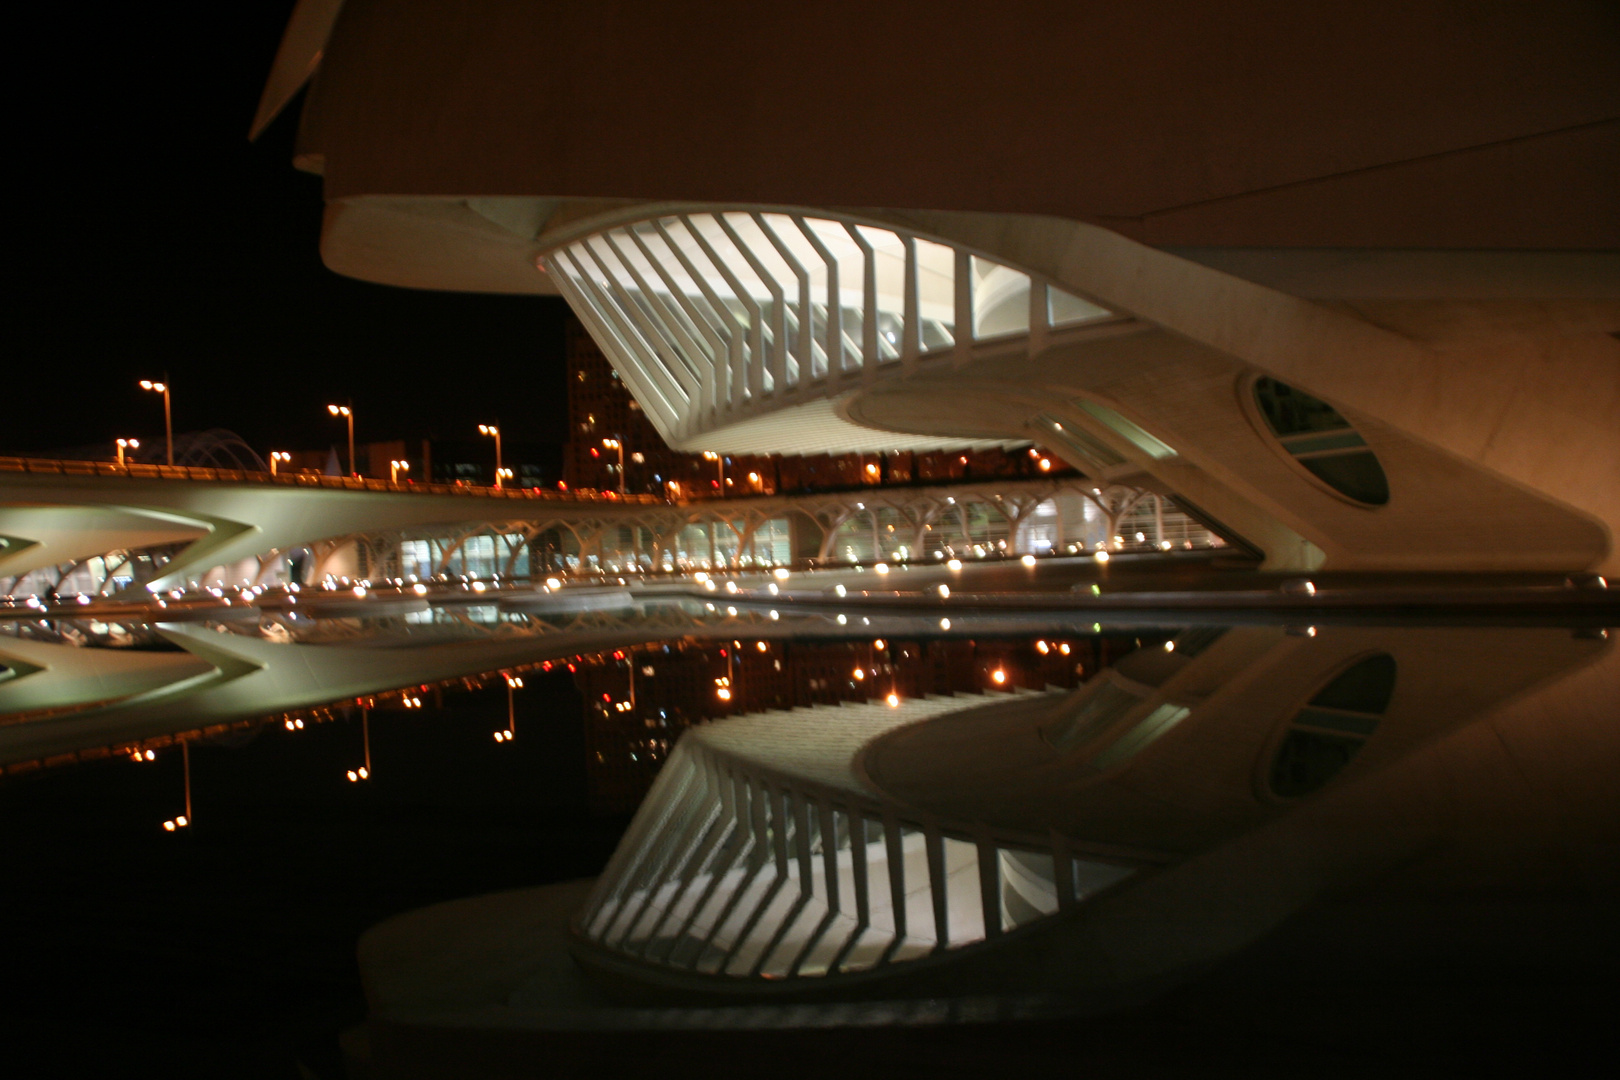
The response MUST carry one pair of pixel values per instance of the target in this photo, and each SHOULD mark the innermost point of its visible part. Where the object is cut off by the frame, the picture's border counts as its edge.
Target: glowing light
(880, 644)
(882, 568)
(775, 615)
(780, 573)
(893, 700)
(944, 591)
(359, 591)
(1064, 648)
(998, 676)
(761, 646)
(1042, 647)
(723, 694)
(553, 583)
(860, 674)
(1028, 560)
(1169, 646)
(1101, 556)
(839, 590)
(944, 624)
(953, 564)
(419, 589)
(842, 620)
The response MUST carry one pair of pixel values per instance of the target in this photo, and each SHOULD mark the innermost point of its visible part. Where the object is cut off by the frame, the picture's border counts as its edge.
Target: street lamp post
(617, 444)
(123, 444)
(276, 458)
(168, 414)
(364, 771)
(495, 433)
(395, 468)
(348, 414)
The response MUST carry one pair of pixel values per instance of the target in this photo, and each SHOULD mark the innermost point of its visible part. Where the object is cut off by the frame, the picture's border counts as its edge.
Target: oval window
(1327, 732)
(1321, 440)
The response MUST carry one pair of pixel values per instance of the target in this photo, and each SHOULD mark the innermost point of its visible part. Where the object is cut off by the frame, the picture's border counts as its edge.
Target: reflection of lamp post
(617, 444)
(395, 468)
(184, 819)
(513, 682)
(168, 416)
(495, 433)
(348, 414)
(132, 444)
(276, 457)
(364, 771)
(719, 468)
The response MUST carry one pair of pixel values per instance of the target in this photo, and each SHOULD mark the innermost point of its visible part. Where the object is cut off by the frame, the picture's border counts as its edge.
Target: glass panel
(1364, 687)
(1107, 704)
(1312, 443)
(1357, 475)
(1307, 760)
(1341, 723)
(1028, 887)
(936, 295)
(1151, 726)
(889, 257)
(1093, 877)
(964, 902)
(1290, 411)
(1000, 299)
(1066, 309)
(1127, 430)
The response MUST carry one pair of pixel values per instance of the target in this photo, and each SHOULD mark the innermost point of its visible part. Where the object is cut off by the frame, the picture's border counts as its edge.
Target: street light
(616, 444)
(395, 468)
(276, 458)
(348, 414)
(123, 444)
(495, 433)
(168, 415)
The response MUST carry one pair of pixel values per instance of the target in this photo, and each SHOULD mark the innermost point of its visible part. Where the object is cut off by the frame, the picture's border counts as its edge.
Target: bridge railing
(347, 483)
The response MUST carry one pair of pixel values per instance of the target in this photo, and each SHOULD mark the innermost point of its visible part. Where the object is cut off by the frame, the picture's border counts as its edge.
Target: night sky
(151, 236)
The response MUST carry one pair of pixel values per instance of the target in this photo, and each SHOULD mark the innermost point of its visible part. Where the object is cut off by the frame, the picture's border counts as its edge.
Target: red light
(561, 486)
(607, 697)
(618, 655)
(571, 667)
(594, 452)
(722, 652)
(546, 666)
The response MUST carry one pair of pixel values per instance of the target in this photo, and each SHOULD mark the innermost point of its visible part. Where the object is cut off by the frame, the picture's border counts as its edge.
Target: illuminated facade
(1357, 306)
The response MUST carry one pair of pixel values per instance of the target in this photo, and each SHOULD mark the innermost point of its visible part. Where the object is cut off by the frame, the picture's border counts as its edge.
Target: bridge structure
(74, 528)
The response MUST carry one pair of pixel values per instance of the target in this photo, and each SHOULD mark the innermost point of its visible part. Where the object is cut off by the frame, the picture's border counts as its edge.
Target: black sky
(149, 235)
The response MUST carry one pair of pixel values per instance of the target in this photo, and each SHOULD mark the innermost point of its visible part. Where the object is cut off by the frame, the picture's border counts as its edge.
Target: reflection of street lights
(276, 457)
(364, 771)
(719, 468)
(495, 433)
(348, 414)
(168, 416)
(395, 468)
(617, 444)
(513, 682)
(182, 820)
(131, 444)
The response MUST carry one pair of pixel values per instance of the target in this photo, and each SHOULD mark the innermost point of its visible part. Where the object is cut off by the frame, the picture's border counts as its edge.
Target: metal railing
(346, 483)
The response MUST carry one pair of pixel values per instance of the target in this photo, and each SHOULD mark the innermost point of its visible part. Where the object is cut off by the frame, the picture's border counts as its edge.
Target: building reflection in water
(849, 801)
